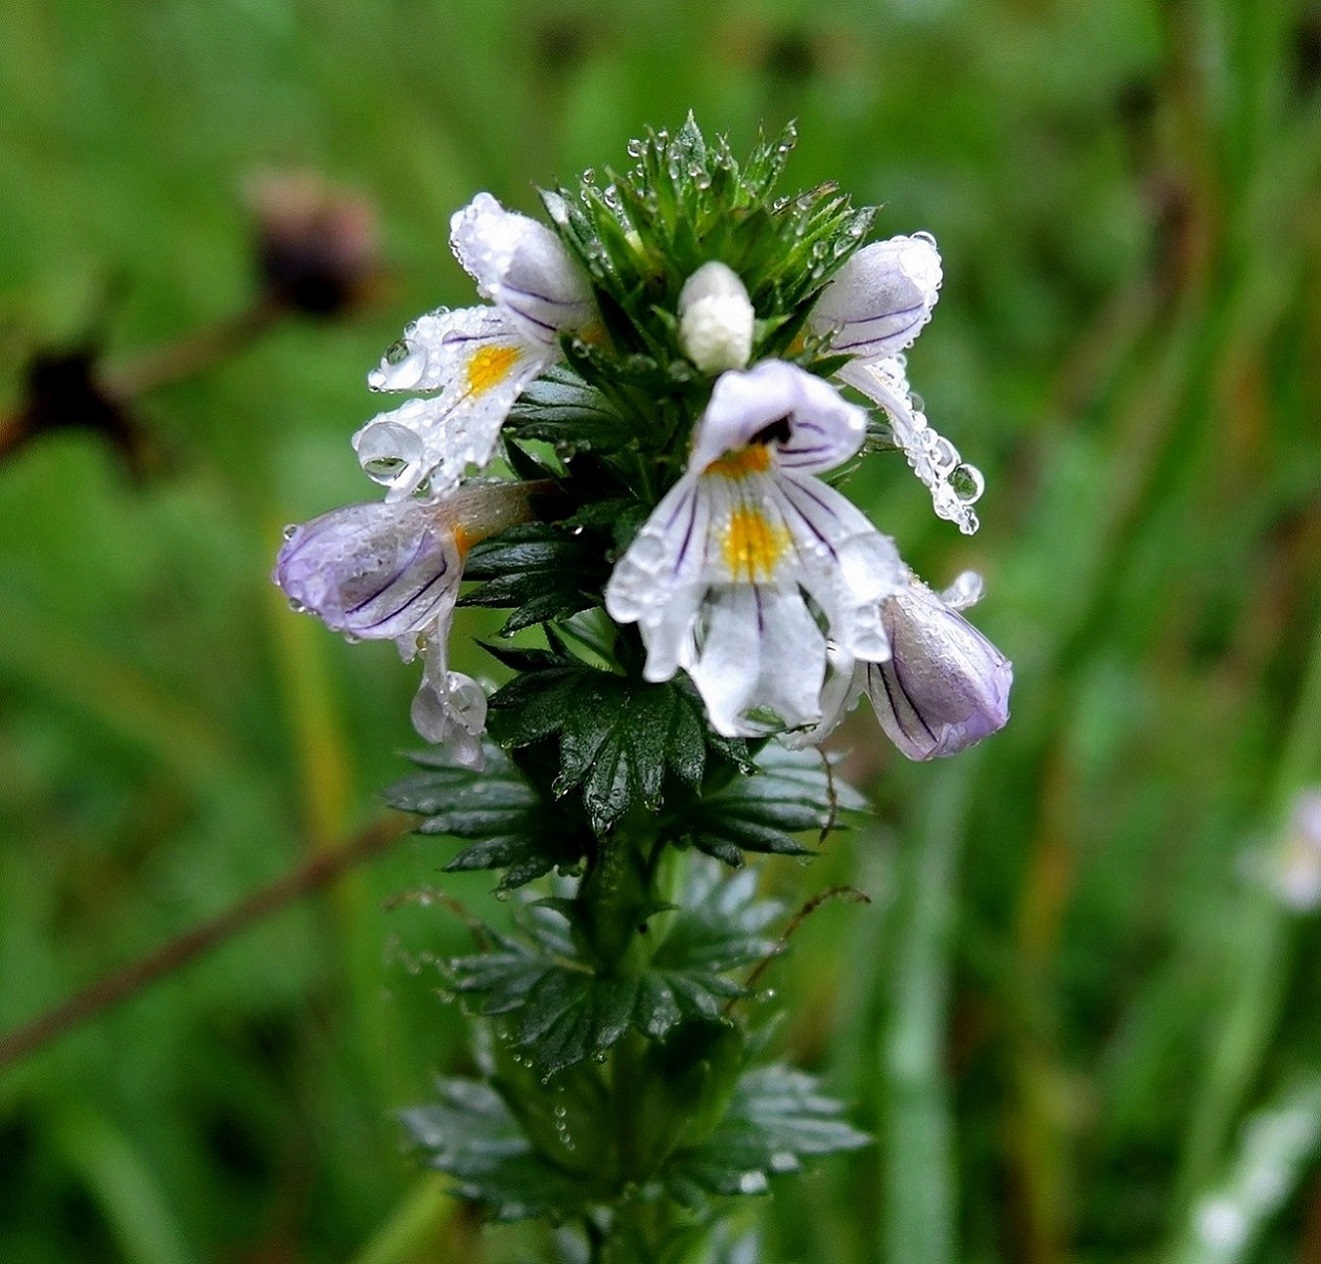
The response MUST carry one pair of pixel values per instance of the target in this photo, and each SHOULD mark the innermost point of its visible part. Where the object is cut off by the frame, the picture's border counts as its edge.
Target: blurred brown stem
(193, 352)
(12, 433)
(180, 951)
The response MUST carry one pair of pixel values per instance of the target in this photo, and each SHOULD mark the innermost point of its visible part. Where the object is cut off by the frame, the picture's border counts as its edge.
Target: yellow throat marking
(753, 458)
(753, 547)
(489, 366)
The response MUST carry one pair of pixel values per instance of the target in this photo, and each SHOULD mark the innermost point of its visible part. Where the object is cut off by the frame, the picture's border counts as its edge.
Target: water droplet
(502, 894)
(636, 148)
(290, 531)
(752, 1183)
(297, 606)
(967, 482)
(401, 369)
(589, 176)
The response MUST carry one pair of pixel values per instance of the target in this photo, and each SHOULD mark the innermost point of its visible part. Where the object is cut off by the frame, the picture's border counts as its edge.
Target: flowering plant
(658, 383)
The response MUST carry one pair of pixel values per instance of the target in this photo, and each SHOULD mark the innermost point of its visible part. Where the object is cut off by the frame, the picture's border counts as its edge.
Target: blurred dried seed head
(63, 390)
(317, 245)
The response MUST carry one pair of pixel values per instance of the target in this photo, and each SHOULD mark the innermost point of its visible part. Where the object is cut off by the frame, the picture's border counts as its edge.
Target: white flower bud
(715, 319)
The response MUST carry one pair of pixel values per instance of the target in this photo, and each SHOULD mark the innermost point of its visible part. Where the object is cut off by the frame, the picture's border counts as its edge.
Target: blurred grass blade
(123, 1187)
(919, 1194)
(413, 1226)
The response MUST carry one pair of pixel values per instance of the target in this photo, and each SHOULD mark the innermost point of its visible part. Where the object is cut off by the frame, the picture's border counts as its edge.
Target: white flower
(473, 363)
(1293, 866)
(716, 319)
(749, 554)
(873, 309)
(944, 687)
(390, 572)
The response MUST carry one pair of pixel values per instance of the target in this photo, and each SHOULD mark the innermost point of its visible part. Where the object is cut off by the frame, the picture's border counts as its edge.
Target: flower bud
(945, 686)
(878, 301)
(379, 571)
(715, 319)
(522, 267)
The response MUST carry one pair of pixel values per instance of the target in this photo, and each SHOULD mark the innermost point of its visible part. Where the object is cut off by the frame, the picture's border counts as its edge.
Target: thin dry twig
(851, 894)
(118, 986)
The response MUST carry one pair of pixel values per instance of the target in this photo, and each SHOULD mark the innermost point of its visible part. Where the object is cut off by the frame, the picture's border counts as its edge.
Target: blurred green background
(1078, 1021)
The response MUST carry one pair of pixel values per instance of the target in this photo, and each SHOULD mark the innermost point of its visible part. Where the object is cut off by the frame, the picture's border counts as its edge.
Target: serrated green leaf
(792, 793)
(471, 1135)
(560, 407)
(543, 570)
(618, 737)
(509, 824)
(776, 1118)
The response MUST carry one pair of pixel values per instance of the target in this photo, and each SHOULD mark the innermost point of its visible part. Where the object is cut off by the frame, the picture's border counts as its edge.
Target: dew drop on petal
(290, 531)
(967, 482)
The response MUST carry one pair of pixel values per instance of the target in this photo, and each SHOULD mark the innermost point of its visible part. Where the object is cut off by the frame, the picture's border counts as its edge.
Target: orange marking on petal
(755, 458)
(489, 366)
(753, 547)
(464, 540)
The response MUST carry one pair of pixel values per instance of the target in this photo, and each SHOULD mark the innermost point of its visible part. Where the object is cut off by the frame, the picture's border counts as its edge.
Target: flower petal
(449, 708)
(758, 659)
(522, 267)
(480, 363)
(376, 571)
(878, 302)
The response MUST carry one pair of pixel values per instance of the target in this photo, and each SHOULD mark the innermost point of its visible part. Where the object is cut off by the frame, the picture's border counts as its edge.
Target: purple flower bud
(945, 687)
(378, 571)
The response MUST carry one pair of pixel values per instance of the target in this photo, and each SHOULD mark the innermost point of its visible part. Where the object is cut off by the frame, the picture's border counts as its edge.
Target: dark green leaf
(544, 571)
(776, 1118)
(471, 1135)
(510, 826)
(618, 737)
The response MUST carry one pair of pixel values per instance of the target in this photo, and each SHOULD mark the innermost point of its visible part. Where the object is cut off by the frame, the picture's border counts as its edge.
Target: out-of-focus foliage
(1077, 1027)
